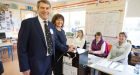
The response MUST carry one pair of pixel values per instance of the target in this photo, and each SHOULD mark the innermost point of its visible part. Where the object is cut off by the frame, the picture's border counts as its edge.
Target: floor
(11, 67)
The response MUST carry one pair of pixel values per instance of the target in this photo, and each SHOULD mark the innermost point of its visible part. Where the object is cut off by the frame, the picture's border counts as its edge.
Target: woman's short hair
(123, 33)
(56, 17)
(98, 34)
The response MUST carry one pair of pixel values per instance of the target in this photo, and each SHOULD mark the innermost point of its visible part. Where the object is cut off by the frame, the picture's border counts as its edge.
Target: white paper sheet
(120, 67)
(79, 50)
(113, 65)
(104, 63)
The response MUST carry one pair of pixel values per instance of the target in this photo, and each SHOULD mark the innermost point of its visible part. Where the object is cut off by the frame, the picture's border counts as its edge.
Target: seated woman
(120, 50)
(98, 46)
(79, 41)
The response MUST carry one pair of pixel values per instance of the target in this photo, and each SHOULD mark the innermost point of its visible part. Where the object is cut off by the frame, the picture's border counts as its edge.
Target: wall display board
(105, 22)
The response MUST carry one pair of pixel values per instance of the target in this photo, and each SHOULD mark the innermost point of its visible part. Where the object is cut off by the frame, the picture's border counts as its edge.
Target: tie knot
(45, 22)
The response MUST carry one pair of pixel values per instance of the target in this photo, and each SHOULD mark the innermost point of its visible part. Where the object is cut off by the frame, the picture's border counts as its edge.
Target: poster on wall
(6, 21)
(105, 22)
(11, 17)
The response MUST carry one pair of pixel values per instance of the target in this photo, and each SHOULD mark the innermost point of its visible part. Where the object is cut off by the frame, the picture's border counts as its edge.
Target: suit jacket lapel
(39, 30)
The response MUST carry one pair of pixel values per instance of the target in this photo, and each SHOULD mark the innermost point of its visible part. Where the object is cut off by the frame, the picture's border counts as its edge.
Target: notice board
(105, 22)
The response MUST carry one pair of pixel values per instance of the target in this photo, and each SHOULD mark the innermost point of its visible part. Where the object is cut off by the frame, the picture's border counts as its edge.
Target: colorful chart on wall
(9, 18)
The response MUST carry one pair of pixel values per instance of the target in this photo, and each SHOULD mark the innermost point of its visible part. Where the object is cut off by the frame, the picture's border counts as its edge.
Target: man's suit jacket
(32, 47)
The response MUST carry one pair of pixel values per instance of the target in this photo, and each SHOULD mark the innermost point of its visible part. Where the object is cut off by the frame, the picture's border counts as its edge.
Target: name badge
(51, 30)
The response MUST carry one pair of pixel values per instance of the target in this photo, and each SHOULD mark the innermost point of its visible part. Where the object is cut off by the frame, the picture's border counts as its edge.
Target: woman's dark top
(58, 60)
(61, 37)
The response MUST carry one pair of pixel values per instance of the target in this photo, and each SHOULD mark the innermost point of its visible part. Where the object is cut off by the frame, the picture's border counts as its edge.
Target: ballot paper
(80, 50)
(114, 65)
(104, 63)
(94, 59)
(120, 67)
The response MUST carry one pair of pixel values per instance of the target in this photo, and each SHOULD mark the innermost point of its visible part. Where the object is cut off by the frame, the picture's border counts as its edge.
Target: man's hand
(71, 48)
(26, 72)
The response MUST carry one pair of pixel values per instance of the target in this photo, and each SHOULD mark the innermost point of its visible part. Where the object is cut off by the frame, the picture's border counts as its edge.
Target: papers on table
(109, 67)
(113, 65)
(93, 59)
(104, 63)
(120, 67)
(110, 64)
(97, 61)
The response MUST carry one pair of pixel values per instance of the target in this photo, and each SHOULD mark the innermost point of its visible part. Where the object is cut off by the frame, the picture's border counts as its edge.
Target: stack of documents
(94, 60)
(110, 64)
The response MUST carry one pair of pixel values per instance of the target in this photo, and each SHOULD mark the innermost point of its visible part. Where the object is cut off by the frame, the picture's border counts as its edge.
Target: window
(132, 27)
(74, 20)
(27, 14)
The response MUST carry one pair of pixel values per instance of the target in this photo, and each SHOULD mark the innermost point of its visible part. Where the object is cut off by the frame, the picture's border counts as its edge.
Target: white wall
(133, 8)
(132, 21)
(117, 6)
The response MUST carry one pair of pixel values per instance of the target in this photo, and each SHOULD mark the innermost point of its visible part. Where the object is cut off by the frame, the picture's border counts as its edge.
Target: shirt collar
(41, 20)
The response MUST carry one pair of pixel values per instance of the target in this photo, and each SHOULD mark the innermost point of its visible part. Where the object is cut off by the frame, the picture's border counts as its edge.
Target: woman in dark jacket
(58, 21)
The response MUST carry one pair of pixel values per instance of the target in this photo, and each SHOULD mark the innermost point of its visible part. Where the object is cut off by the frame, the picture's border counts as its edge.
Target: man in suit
(36, 42)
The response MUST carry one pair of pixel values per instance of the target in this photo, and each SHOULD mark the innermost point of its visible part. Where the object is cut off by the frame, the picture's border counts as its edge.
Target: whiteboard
(105, 22)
